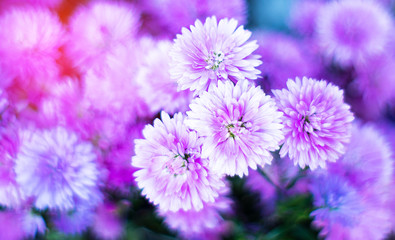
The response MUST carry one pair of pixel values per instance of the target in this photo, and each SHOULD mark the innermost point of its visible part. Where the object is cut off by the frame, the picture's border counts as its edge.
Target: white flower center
(215, 60)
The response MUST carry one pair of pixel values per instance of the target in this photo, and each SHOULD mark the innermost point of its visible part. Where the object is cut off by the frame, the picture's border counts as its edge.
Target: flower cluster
(118, 116)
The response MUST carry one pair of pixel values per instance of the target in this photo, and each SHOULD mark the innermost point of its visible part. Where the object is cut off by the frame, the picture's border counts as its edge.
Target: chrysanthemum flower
(44, 3)
(172, 172)
(57, 169)
(317, 123)
(211, 52)
(33, 223)
(106, 25)
(192, 223)
(351, 31)
(240, 124)
(169, 16)
(156, 86)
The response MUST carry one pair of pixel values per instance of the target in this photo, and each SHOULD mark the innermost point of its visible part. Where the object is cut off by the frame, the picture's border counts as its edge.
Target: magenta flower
(56, 169)
(317, 123)
(172, 172)
(212, 52)
(240, 124)
(156, 87)
(351, 31)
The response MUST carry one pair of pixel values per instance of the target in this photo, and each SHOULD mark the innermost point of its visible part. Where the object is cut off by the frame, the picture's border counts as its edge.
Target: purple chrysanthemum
(304, 16)
(157, 88)
(211, 52)
(317, 123)
(172, 172)
(240, 124)
(351, 31)
(57, 169)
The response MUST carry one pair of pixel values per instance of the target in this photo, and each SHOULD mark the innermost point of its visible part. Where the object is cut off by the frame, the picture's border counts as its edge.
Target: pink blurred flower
(213, 52)
(106, 222)
(97, 30)
(240, 124)
(282, 58)
(304, 16)
(317, 122)
(158, 90)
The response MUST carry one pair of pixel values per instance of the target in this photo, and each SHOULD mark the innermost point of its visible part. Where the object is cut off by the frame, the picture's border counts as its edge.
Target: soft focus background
(85, 73)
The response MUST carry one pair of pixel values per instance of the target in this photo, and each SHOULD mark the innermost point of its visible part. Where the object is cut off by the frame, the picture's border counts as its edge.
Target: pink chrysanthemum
(57, 169)
(351, 31)
(169, 16)
(106, 25)
(317, 122)
(172, 172)
(157, 89)
(191, 224)
(240, 124)
(212, 52)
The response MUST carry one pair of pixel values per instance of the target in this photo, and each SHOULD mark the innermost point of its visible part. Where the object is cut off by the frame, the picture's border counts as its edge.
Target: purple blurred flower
(158, 90)
(57, 169)
(345, 213)
(304, 16)
(213, 52)
(191, 224)
(240, 124)
(73, 221)
(172, 172)
(367, 163)
(317, 123)
(282, 58)
(167, 17)
(351, 31)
